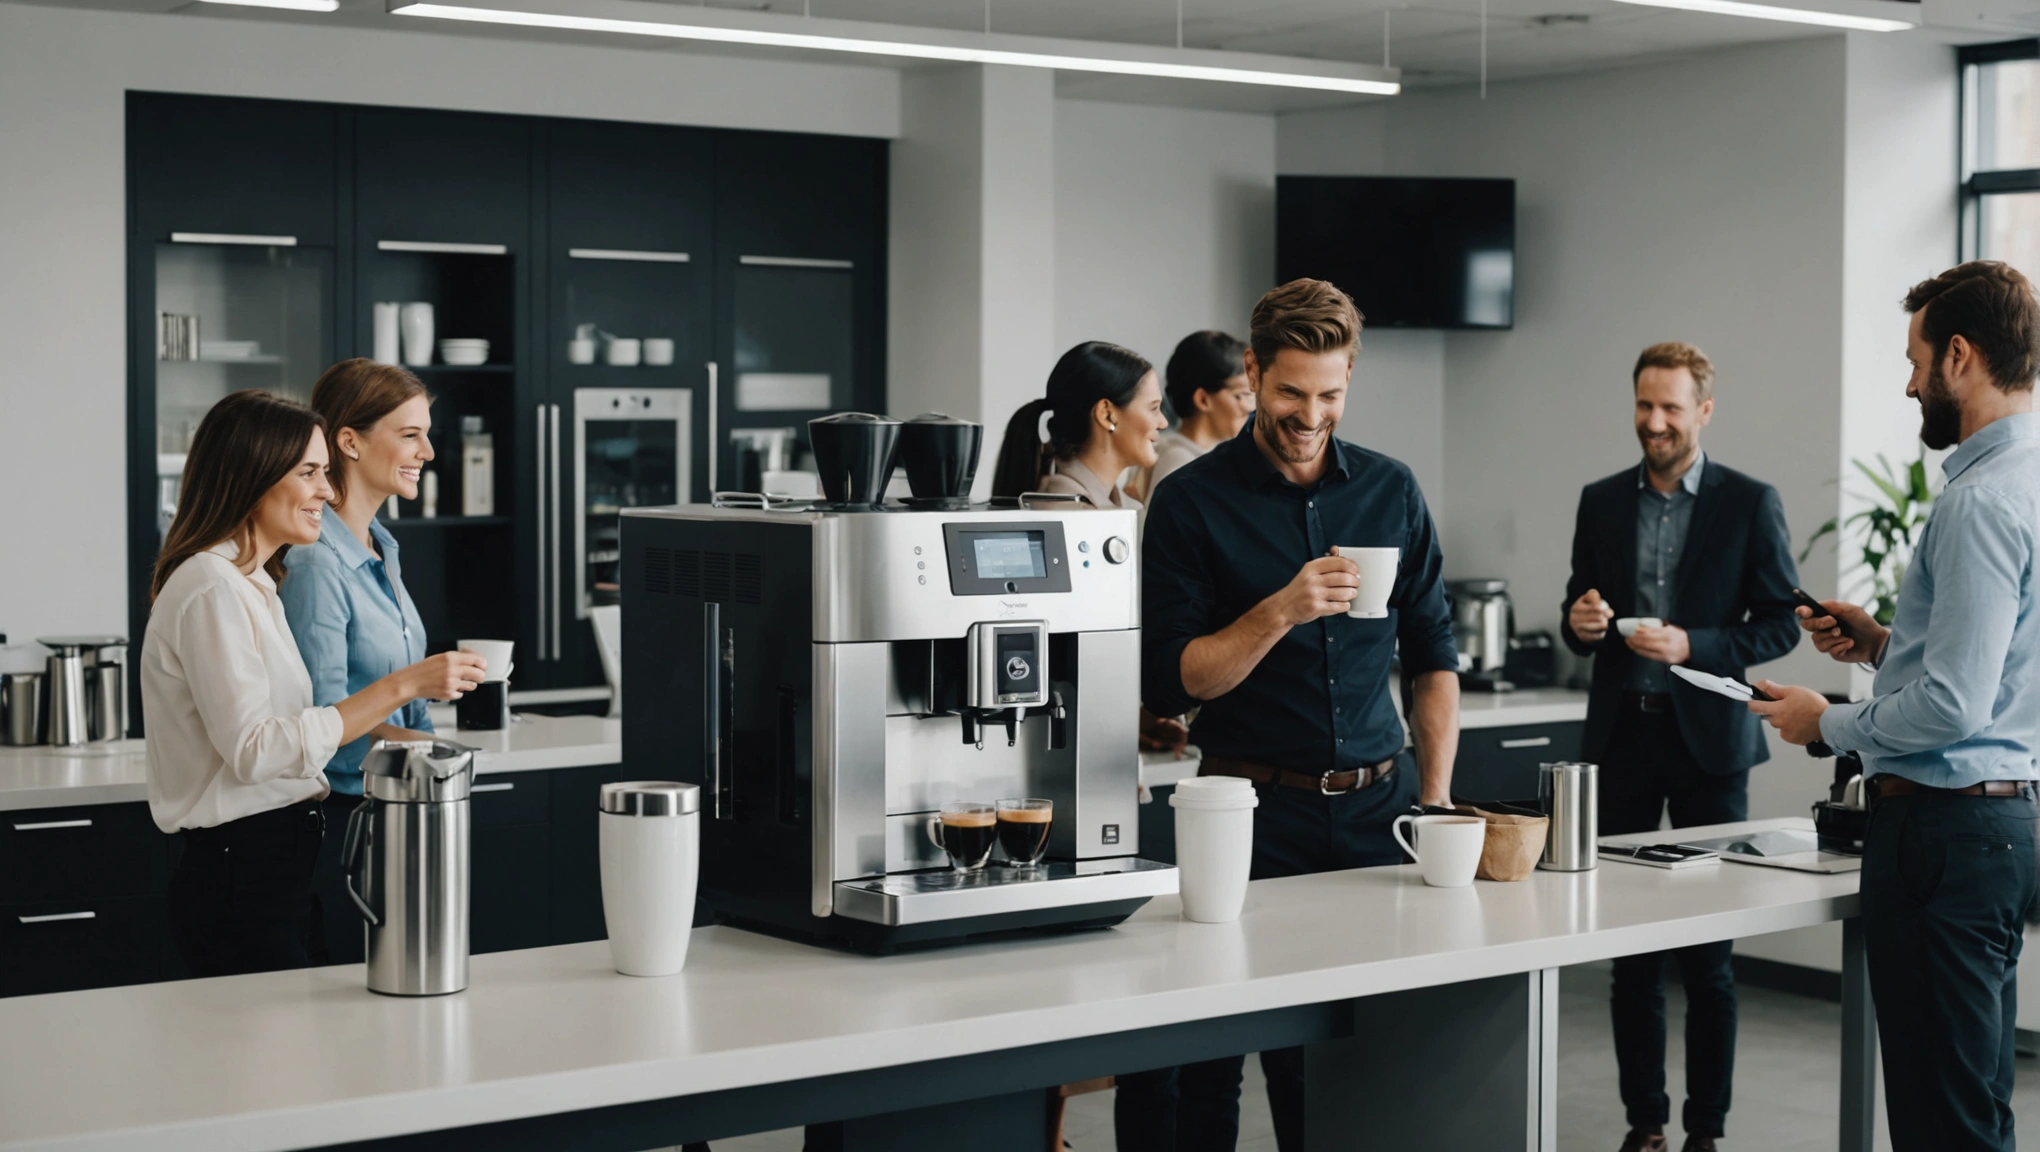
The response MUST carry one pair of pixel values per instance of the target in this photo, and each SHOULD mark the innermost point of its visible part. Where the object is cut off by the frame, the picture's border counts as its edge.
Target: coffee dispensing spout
(1008, 675)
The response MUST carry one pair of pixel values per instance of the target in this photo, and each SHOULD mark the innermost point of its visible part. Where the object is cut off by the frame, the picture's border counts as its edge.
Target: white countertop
(289, 1059)
(117, 773)
(1525, 706)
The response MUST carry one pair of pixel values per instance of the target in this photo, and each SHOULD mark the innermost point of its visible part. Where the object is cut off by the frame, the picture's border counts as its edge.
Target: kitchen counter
(1525, 706)
(295, 1059)
(116, 773)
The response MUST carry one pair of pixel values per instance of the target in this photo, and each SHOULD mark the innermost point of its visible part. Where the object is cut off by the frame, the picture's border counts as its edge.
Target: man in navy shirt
(1245, 621)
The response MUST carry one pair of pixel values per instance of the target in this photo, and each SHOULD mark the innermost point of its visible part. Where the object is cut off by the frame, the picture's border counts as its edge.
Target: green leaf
(1884, 484)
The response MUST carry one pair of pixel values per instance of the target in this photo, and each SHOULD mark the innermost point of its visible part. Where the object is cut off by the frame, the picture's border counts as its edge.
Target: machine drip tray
(937, 894)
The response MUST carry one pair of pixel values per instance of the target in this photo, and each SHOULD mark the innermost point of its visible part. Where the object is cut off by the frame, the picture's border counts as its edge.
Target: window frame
(1973, 184)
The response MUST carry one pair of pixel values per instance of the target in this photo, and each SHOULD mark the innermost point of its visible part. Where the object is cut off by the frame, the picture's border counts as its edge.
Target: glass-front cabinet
(630, 451)
(232, 312)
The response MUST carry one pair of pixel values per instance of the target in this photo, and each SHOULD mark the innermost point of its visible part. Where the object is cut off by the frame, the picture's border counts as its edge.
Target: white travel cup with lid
(651, 856)
(1214, 845)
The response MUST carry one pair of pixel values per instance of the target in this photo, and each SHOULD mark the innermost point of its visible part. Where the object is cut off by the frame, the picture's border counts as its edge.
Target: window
(2001, 153)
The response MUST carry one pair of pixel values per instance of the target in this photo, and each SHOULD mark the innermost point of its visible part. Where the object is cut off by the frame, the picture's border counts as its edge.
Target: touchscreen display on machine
(1008, 555)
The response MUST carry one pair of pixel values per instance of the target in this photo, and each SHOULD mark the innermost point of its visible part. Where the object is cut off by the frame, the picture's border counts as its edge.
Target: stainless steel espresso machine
(831, 673)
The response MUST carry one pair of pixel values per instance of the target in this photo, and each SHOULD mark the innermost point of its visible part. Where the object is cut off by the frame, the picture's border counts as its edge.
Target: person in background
(1208, 391)
(237, 749)
(1104, 408)
(1703, 548)
(345, 599)
(1244, 616)
(1950, 732)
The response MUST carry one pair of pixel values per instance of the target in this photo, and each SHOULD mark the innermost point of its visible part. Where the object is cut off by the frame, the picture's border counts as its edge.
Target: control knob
(1115, 550)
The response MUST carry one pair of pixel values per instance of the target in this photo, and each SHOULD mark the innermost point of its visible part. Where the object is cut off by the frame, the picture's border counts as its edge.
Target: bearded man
(1245, 619)
(1700, 554)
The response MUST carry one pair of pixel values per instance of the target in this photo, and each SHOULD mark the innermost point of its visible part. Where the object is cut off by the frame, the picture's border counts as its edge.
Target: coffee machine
(833, 672)
(1483, 620)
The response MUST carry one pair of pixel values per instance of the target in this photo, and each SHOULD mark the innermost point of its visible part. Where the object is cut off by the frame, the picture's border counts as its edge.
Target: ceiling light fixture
(725, 26)
(294, 5)
(1790, 15)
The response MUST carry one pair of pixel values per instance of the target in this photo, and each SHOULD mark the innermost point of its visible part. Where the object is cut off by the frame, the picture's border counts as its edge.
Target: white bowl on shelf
(464, 353)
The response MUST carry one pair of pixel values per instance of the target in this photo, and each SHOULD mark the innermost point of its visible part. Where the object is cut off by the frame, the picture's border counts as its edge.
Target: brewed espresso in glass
(966, 829)
(1024, 825)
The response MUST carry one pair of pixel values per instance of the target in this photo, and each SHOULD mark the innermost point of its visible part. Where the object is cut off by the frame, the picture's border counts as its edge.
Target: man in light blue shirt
(1949, 737)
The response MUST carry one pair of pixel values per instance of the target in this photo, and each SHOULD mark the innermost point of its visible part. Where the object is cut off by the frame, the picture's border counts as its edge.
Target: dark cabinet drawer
(63, 946)
(576, 853)
(1502, 763)
(99, 851)
(500, 799)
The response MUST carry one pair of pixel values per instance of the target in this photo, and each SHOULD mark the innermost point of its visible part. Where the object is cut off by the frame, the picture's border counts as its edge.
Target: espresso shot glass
(966, 829)
(1023, 830)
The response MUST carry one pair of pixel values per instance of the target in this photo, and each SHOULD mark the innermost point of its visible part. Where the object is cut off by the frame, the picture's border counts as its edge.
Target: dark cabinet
(800, 284)
(577, 862)
(1502, 763)
(760, 257)
(83, 899)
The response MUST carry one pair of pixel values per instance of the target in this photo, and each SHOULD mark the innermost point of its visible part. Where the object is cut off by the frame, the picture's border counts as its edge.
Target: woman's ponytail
(1022, 454)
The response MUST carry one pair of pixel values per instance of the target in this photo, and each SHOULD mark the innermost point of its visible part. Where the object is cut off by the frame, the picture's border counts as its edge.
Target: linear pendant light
(1790, 15)
(725, 26)
(294, 5)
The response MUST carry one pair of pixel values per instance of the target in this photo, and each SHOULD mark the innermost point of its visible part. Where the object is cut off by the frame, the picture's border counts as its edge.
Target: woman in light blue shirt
(345, 598)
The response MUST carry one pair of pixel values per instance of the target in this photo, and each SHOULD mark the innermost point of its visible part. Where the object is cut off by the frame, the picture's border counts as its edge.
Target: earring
(1111, 426)
(354, 455)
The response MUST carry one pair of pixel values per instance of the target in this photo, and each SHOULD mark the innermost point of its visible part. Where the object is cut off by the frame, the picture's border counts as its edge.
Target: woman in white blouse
(236, 749)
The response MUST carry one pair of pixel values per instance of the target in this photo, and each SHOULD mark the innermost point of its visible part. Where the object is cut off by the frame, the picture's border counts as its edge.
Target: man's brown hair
(1678, 354)
(1308, 315)
(1990, 304)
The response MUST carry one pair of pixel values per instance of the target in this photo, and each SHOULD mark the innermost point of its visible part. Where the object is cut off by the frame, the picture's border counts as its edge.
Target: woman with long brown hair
(237, 749)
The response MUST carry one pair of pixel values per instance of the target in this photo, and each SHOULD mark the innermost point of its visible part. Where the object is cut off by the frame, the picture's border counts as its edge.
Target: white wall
(63, 76)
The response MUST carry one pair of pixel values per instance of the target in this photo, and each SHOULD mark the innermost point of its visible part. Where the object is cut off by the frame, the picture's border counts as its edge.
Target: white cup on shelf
(415, 319)
(1214, 845)
(658, 351)
(624, 352)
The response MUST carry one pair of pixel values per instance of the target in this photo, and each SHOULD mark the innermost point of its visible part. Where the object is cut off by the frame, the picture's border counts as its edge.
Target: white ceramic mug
(387, 339)
(624, 352)
(1214, 845)
(494, 653)
(1451, 845)
(649, 862)
(1629, 625)
(658, 351)
(580, 351)
(1377, 579)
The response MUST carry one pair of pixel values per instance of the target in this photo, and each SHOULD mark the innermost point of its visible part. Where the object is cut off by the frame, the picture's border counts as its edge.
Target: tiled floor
(1788, 1066)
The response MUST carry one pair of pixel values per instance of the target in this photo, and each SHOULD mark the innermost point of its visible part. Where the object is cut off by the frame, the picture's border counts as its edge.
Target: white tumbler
(415, 319)
(651, 855)
(1214, 845)
(386, 331)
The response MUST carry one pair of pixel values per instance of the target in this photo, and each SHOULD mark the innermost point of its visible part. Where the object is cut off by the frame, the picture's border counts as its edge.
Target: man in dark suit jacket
(1701, 550)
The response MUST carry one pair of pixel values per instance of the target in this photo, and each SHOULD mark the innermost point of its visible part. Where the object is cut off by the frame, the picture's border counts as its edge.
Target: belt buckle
(1325, 780)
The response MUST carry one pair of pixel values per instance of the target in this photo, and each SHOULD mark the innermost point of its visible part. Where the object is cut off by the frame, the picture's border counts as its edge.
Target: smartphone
(1660, 855)
(1818, 609)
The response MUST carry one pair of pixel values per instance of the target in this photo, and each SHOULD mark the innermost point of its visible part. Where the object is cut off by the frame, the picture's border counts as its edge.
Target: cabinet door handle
(442, 246)
(719, 649)
(793, 262)
(552, 477)
(714, 482)
(503, 787)
(46, 825)
(233, 238)
(1528, 742)
(53, 917)
(645, 255)
(538, 438)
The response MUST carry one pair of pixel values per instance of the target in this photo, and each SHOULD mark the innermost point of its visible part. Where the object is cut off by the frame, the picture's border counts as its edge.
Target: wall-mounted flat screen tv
(1412, 252)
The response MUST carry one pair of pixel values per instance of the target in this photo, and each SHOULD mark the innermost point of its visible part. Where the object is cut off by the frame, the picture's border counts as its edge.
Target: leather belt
(1653, 703)
(1885, 784)
(1325, 783)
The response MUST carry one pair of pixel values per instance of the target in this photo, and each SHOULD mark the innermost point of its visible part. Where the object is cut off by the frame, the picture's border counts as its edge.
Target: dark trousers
(340, 921)
(1196, 1107)
(1946, 884)
(241, 899)
(1646, 770)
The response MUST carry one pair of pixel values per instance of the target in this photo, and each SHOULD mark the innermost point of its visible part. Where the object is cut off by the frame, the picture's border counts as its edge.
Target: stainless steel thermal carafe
(105, 695)
(1567, 792)
(406, 860)
(21, 707)
(66, 700)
